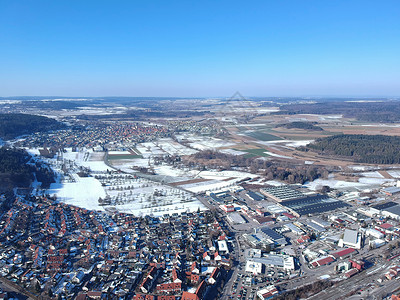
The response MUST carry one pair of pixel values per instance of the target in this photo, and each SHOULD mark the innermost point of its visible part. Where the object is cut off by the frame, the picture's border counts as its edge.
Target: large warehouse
(313, 205)
(281, 193)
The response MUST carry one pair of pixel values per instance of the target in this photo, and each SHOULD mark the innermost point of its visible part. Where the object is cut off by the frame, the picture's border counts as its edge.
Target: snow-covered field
(218, 180)
(233, 152)
(277, 155)
(124, 192)
(171, 171)
(84, 192)
(372, 174)
(141, 196)
(200, 142)
(173, 148)
(289, 143)
(363, 183)
(394, 173)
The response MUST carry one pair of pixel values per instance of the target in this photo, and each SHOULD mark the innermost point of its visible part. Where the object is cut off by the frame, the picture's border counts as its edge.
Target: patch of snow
(84, 192)
(277, 155)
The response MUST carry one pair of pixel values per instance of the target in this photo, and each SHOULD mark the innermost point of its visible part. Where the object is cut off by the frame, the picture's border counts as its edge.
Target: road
(15, 291)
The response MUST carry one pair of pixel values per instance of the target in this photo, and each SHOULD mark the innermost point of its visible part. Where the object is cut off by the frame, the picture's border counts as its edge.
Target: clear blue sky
(199, 48)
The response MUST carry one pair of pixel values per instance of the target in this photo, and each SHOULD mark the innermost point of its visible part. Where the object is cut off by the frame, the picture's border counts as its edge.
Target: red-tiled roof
(324, 261)
(386, 225)
(343, 252)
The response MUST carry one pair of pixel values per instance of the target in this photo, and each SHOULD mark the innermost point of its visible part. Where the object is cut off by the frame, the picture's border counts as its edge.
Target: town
(183, 209)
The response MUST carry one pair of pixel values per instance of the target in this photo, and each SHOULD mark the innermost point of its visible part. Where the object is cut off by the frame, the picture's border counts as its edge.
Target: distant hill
(382, 111)
(13, 125)
(374, 149)
(301, 125)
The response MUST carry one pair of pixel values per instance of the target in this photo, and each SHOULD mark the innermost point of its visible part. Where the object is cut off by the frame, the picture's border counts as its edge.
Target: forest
(13, 125)
(281, 170)
(301, 125)
(379, 111)
(17, 169)
(374, 149)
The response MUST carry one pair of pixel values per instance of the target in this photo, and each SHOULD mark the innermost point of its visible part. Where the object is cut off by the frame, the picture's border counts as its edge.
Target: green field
(255, 152)
(263, 136)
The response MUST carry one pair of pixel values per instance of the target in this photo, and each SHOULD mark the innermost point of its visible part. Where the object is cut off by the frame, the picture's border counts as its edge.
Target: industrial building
(265, 237)
(390, 191)
(281, 193)
(254, 267)
(267, 293)
(313, 205)
(284, 262)
(374, 233)
(255, 196)
(273, 235)
(392, 212)
(293, 228)
(351, 238)
(315, 227)
(321, 222)
(235, 218)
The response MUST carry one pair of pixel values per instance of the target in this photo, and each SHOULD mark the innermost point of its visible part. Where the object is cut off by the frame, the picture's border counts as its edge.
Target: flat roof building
(236, 218)
(281, 193)
(351, 238)
(254, 267)
(313, 205)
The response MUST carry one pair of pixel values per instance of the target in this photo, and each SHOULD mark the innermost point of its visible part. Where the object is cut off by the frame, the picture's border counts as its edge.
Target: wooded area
(301, 125)
(385, 111)
(13, 125)
(17, 169)
(374, 149)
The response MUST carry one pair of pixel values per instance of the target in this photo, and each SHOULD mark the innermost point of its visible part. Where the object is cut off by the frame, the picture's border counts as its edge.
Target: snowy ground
(171, 171)
(394, 173)
(233, 152)
(289, 143)
(218, 180)
(85, 192)
(363, 183)
(200, 142)
(126, 193)
(141, 196)
(277, 155)
(87, 158)
(173, 148)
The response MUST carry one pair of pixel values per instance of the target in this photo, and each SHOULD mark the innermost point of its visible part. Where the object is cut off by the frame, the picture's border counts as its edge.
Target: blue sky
(199, 48)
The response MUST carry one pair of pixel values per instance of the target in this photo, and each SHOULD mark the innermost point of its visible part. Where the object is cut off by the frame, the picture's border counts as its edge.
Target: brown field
(331, 126)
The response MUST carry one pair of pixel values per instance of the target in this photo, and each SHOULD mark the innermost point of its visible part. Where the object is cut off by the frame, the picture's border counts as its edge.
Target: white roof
(350, 236)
